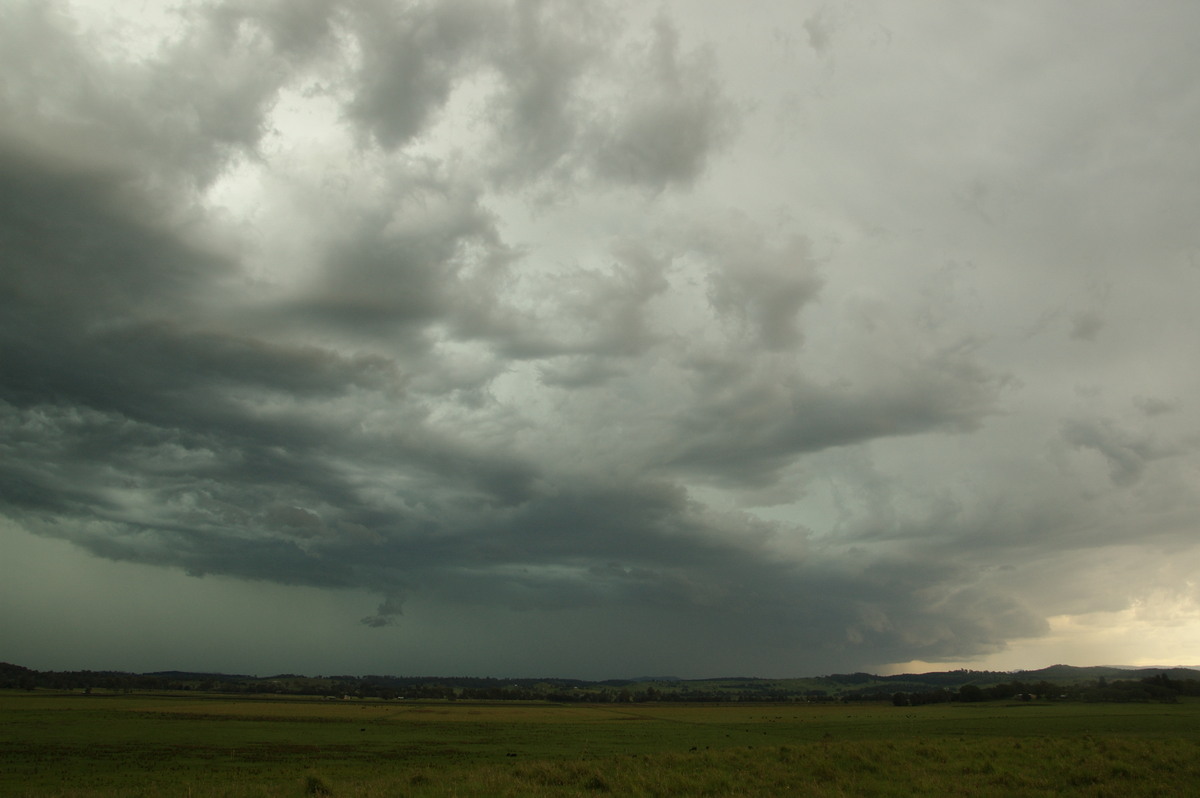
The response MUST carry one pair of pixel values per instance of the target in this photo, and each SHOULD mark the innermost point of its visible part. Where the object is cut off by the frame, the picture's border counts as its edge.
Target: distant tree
(970, 692)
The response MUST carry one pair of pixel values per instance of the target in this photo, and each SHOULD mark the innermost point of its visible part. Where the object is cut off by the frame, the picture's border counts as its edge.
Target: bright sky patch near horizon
(544, 338)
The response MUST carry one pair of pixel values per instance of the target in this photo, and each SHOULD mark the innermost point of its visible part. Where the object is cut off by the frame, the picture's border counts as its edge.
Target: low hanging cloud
(454, 303)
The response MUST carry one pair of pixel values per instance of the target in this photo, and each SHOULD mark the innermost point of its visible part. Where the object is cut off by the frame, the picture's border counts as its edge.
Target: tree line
(961, 686)
(1159, 687)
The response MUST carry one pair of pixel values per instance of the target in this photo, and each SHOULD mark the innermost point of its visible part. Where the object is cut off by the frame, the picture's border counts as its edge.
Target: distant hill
(197, 676)
(1058, 680)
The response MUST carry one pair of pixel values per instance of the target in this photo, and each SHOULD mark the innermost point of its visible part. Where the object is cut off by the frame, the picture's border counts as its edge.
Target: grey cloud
(521, 379)
(75, 241)
(655, 126)
(588, 325)
(175, 124)
(601, 312)
(646, 547)
(204, 449)
(1154, 406)
(402, 266)
(761, 288)
(663, 134)
(297, 28)
(1126, 453)
(579, 372)
(1086, 326)
(411, 58)
(205, 359)
(819, 30)
(539, 110)
(377, 621)
(214, 90)
(751, 419)
(583, 324)
(385, 614)
(562, 546)
(1040, 532)
(303, 521)
(533, 70)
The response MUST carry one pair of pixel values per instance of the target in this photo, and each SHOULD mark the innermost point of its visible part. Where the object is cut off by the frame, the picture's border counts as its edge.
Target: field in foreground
(180, 745)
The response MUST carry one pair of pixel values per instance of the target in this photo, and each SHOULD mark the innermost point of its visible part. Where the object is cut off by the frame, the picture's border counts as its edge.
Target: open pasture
(191, 745)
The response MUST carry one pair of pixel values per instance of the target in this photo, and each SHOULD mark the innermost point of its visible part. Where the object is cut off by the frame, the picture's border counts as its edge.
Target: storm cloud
(650, 342)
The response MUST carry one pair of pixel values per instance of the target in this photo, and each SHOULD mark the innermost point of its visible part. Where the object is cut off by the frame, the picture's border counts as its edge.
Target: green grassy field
(187, 745)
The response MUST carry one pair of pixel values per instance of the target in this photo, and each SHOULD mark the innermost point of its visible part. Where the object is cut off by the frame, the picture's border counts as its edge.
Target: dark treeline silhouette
(1057, 683)
(1158, 687)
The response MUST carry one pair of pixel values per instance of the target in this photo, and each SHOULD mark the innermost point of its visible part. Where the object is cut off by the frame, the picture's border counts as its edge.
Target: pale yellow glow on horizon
(1159, 630)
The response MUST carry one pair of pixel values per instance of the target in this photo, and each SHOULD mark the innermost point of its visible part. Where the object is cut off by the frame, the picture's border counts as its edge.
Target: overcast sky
(599, 339)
